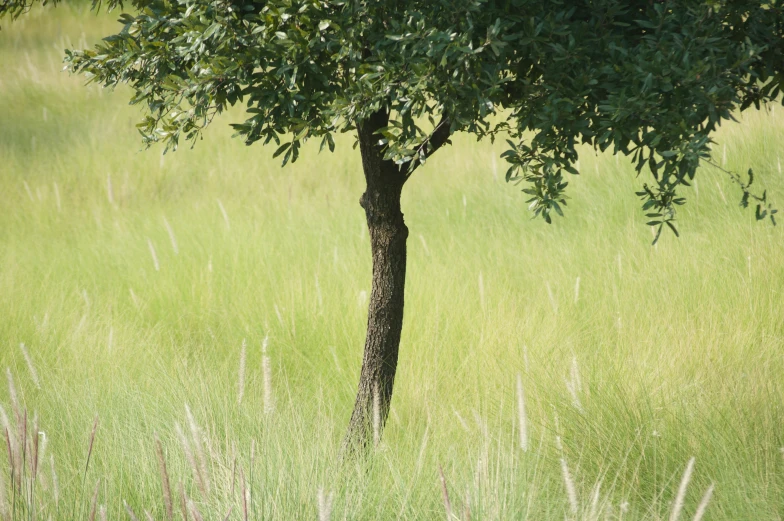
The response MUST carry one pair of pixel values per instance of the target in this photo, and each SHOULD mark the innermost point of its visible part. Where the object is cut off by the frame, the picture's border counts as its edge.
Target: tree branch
(438, 138)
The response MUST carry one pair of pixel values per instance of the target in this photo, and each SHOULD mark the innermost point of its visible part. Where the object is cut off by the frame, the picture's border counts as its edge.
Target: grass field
(133, 280)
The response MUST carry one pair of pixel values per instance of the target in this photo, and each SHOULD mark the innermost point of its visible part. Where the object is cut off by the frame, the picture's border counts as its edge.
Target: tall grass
(131, 278)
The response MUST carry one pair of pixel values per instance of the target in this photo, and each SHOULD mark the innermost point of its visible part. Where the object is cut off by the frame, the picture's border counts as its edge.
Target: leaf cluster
(649, 79)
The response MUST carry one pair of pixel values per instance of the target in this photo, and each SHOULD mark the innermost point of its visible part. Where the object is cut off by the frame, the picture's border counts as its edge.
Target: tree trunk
(388, 234)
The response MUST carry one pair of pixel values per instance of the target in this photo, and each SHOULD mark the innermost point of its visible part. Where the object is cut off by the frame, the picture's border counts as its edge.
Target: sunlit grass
(133, 280)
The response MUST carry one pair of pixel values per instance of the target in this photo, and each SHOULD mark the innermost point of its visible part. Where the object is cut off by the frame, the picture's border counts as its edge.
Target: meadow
(216, 301)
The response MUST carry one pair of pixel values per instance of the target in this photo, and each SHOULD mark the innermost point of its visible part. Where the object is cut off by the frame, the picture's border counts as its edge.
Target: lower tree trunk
(388, 234)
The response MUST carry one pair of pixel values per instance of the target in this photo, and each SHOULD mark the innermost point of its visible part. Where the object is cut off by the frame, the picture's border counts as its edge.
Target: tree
(652, 79)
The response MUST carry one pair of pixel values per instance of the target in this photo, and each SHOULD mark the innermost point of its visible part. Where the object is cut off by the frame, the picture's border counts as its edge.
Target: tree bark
(388, 234)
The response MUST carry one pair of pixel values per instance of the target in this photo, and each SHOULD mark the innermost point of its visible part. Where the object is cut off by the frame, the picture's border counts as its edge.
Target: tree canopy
(651, 79)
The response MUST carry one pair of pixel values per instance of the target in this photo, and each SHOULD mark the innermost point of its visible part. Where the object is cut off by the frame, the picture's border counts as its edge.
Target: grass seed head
(57, 197)
(252, 454)
(680, 497)
(521, 417)
(172, 238)
(376, 415)
(9, 438)
(36, 445)
(12, 457)
(12, 394)
(55, 482)
(44, 445)
(22, 428)
(189, 456)
(3, 499)
(199, 451)
(224, 214)
(183, 501)
(165, 484)
(244, 496)
(593, 513)
(27, 189)
(155, 262)
(109, 189)
(130, 511)
(94, 502)
(30, 366)
(445, 494)
(266, 375)
(241, 375)
(571, 490)
(194, 511)
(324, 505)
(703, 506)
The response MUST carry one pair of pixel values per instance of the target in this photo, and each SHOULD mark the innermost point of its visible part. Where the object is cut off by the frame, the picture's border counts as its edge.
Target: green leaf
(672, 227)
(301, 134)
(282, 148)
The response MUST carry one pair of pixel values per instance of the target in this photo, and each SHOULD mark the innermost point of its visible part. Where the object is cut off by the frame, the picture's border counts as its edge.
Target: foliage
(650, 79)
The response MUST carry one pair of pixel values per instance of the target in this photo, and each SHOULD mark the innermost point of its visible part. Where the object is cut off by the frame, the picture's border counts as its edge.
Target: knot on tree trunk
(382, 209)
